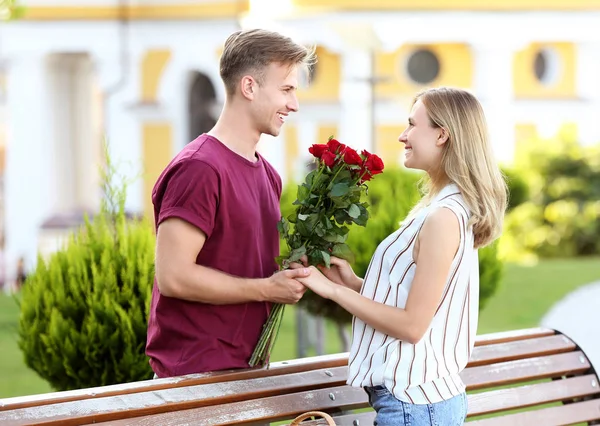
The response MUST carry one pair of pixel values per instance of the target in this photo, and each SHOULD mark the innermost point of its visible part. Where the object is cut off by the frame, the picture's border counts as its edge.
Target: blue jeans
(392, 411)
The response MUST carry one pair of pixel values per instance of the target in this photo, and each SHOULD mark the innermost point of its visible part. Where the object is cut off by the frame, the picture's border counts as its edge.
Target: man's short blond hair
(252, 51)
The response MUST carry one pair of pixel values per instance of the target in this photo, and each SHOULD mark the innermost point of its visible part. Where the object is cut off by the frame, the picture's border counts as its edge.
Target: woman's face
(422, 141)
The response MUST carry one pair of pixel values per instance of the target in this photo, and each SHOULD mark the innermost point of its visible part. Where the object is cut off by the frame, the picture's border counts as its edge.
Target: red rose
(335, 146)
(374, 164)
(351, 157)
(328, 158)
(318, 149)
(365, 175)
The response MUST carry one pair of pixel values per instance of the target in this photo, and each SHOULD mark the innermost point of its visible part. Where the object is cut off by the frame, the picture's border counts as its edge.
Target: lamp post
(359, 81)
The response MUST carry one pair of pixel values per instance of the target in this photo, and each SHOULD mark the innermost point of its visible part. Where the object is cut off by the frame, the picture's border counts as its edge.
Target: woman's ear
(248, 85)
(442, 137)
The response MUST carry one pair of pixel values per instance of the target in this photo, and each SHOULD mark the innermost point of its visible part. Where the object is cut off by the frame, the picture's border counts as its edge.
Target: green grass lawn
(525, 295)
(15, 378)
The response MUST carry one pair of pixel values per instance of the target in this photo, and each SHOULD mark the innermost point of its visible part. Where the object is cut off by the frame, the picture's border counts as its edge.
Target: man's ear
(442, 137)
(248, 87)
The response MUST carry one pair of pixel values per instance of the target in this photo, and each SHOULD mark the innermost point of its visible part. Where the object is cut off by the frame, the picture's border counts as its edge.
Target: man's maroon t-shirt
(235, 202)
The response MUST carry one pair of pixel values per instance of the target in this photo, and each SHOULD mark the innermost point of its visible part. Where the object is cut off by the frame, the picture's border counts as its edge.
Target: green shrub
(84, 310)
(518, 189)
(491, 271)
(391, 196)
(562, 216)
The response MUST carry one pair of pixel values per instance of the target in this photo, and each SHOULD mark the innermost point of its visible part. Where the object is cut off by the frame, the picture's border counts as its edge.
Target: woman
(415, 312)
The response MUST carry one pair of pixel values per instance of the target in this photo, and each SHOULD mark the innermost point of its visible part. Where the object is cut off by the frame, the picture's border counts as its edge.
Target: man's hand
(282, 287)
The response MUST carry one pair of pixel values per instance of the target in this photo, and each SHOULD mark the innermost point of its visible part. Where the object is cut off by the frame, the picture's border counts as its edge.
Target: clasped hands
(290, 285)
(327, 281)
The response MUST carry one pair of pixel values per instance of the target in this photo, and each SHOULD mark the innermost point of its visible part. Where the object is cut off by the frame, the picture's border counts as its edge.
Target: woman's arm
(439, 239)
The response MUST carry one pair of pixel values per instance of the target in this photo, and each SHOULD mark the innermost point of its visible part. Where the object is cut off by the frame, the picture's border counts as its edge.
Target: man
(216, 208)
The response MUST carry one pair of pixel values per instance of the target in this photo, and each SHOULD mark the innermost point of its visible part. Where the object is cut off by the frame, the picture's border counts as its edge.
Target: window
(201, 105)
(423, 66)
(546, 66)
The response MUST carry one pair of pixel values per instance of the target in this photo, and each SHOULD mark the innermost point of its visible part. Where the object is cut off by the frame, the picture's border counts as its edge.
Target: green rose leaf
(342, 230)
(310, 177)
(354, 211)
(335, 238)
(339, 190)
(344, 175)
(326, 258)
(315, 257)
(341, 202)
(303, 229)
(283, 227)
(296, 254)
(343, 252)
(363, 217)
(311, 221)
(303, 193)
(320, 231)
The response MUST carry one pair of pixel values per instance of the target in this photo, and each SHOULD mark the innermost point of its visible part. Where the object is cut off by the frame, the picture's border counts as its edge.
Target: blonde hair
(467, 160)
(251, 51)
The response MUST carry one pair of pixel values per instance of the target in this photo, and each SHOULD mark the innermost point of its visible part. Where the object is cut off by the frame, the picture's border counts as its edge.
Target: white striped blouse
(428, 371)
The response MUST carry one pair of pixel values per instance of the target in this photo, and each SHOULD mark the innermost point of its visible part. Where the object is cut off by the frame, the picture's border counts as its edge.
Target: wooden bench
(537, 369)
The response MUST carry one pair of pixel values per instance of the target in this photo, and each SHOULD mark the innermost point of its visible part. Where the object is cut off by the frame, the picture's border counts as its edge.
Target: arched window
(202, 101)
(546, 66)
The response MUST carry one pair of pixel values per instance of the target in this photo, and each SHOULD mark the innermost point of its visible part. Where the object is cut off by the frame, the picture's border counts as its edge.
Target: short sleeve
(274, 178)
(191, 193)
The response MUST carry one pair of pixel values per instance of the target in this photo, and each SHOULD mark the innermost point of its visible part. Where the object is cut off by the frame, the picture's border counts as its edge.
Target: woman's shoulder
(451, 198)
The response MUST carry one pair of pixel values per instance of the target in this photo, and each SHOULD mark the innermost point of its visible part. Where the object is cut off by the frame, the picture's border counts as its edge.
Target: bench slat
(525, 370)
(553, 416)
(501, 352)
(268, 409)
(530, 395)
(512, 336)
(276, 368)
(144, 403)
(504, 399)
(149, 403)
(282, 407)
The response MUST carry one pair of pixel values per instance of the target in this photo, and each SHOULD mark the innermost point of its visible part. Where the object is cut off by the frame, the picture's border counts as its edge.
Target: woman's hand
(340, 272)
(319, 283)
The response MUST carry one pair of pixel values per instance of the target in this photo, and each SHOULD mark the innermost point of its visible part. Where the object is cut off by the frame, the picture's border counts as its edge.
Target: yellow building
(145, 75)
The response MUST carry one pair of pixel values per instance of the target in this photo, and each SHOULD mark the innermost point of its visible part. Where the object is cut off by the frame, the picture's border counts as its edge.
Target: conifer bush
(84, 310)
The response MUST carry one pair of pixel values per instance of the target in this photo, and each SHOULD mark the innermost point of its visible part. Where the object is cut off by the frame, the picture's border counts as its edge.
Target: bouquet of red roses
(327, 202)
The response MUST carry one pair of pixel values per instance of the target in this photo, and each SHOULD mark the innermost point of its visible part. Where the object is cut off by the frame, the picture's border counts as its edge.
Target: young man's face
(275, 98)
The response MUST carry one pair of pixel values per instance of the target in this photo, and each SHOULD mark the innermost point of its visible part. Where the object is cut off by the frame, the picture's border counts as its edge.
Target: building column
(157, 148)
(356, 118)
(493, 86)
(30, 158)
(588, 70)
(122, 132)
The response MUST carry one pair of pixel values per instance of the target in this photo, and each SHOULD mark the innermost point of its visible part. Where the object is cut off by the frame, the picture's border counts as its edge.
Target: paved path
(578, 316)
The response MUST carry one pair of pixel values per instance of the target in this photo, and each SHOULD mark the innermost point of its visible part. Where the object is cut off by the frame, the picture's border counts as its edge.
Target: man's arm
(177, 246)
